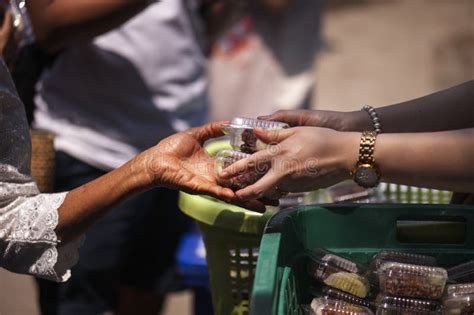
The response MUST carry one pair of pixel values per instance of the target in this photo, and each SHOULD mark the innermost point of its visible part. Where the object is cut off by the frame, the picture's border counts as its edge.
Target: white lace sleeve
(28, 243)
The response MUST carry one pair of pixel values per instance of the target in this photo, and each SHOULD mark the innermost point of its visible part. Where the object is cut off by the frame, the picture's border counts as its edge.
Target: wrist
(358, 120)
(349, 150)
(142, 172)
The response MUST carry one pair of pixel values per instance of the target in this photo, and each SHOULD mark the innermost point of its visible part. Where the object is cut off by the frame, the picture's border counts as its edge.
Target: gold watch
(366, 172)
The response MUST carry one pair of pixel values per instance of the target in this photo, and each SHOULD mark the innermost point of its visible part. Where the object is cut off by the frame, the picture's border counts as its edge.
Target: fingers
(270, 202)
(291, 117)
(206, 132)
(254, 205)
(253, 163)
(273, 136)
(208, 188)
(258, 190)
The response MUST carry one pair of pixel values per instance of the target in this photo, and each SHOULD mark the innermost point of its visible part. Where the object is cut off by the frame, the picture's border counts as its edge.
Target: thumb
(273, 136)
(204, 133)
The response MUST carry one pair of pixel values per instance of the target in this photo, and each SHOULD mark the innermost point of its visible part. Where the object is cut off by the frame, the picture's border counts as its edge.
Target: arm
(441, 160)
(59, 23)
(177, 162)
(308, 158)
(449, 109)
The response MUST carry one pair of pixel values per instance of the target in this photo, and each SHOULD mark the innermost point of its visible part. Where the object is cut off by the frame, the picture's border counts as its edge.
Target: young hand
(301, 159)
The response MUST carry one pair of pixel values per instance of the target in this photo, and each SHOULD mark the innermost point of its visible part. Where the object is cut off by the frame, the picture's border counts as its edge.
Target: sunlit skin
(426, 142)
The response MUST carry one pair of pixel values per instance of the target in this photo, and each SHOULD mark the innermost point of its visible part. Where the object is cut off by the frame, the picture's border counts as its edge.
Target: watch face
(366, 176)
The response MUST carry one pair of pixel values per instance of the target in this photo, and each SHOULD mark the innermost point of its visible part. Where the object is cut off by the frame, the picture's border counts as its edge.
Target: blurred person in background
(112, 91)
(266, 61)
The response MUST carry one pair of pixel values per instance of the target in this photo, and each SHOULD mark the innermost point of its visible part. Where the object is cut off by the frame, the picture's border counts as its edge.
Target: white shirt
(112, 98)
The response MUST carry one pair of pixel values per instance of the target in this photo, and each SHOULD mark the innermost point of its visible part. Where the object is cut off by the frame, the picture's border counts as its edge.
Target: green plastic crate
(357, 231)
(231, 237)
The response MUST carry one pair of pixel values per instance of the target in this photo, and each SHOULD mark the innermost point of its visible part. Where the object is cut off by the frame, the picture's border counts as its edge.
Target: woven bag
(42, 159)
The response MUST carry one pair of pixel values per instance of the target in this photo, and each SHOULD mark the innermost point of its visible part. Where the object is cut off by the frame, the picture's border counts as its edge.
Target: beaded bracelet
(375, 119)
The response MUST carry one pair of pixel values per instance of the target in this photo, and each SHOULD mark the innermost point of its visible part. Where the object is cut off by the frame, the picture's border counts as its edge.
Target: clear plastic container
(335, 294)
(391, 305)
(322, 306)
(227, 157)
(240, 130)
(463, 273)
(459, 299)
(412, 280)
(459, 289)
(338, 272)
(402, 257)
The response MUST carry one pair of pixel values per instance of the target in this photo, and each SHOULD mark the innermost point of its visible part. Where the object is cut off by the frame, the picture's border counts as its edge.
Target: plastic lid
(250, 123)
(322, 306)
(403, 257)
(326, 257)
(463, 272)
(407, 304)
(409, 269)
(335, 294)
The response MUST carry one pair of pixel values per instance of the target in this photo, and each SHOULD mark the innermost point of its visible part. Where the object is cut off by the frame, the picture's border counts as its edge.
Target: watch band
(367, 146)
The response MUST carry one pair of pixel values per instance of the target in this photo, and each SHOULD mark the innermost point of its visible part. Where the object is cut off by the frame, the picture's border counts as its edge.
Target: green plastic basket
(358, 231)
(231, 236)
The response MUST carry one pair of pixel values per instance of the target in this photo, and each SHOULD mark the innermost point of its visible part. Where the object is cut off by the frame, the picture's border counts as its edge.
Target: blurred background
(375, 52)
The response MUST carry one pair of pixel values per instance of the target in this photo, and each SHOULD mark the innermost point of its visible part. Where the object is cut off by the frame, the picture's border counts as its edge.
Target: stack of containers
(395, 283)
(244, 143)
(346, 286)
(409, 283)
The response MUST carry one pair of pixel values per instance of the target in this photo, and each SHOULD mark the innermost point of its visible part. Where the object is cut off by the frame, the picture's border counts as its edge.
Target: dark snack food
(226, 158)
(241, 133)
(322, 306)
(338, 272)
(392, 305)
(412, 280)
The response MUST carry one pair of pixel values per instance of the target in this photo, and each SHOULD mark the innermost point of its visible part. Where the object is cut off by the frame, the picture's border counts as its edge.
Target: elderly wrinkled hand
(180, 162)
(300, 159)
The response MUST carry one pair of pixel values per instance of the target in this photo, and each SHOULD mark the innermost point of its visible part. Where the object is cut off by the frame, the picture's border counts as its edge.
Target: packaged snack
(335, 294)
(227, 157)
(402, 257)
(412, 280)
(459, 289)
(241, 134)
(322, 306)
(392, 305)
(459, 299)
(339, 273)
(462, 273)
